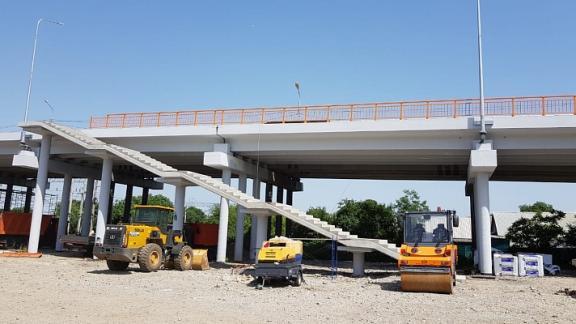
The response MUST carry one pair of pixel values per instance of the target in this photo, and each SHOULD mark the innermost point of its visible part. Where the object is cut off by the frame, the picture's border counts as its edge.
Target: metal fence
(426, 109)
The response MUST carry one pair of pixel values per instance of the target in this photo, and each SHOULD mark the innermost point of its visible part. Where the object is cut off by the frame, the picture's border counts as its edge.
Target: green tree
(537, 207)
(410, 202)
(367, 219)
(73, 214)
(195, 215)
(539, 232)
(570, 236)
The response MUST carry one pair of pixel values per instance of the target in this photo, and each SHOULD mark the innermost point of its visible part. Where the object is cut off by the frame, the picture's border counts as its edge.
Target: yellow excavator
(428, 255)
(148, 240)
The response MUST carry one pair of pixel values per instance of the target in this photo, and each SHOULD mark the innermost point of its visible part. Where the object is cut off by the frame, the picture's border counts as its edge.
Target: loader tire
(150, 257)
(183, 261)
(114, 265)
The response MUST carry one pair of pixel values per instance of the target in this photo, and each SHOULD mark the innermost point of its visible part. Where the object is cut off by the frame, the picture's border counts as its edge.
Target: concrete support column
(64, 209)
(358, 264)
(223, 224)
(39, 191)
(482, 222)
(28, 199)
(268, 198)
(279, 199)
(358, 254)
(254, 220)
(483, 162)
(145, 193)
(470, 193)
(289, 224)
(104, 199)
(87, 208)
(261, 232)
(110, 202)
(239, 239)
(127, 204)
(8, 197)
(180, 210)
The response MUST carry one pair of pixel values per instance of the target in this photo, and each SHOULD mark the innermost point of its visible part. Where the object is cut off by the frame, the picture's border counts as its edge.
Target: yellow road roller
(279, 258)
(147, 240)
(428, 255)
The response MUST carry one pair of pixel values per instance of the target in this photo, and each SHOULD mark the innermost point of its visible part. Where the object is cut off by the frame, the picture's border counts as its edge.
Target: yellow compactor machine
(148, 240)
(428, 255)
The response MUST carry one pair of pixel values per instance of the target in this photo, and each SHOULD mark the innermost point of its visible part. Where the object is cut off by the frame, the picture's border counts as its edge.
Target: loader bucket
(433, 282)
(200, 260)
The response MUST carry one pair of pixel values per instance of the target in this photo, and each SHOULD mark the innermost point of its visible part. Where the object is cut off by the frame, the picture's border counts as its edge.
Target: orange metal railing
(425, 109)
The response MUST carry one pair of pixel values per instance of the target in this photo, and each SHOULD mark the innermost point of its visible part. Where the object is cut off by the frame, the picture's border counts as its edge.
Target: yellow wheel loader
(147, 240)
(428, 255)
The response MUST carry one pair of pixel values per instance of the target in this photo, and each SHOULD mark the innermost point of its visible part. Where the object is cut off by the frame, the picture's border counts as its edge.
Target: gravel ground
(62, 289)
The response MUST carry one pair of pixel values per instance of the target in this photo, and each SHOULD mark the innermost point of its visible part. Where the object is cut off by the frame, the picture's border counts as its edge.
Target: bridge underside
(449, 165)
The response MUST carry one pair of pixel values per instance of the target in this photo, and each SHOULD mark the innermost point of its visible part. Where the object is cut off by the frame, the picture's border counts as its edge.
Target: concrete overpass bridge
(529, 139)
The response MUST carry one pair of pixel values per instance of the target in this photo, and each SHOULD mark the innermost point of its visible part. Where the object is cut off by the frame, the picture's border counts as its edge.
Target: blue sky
(114, 56)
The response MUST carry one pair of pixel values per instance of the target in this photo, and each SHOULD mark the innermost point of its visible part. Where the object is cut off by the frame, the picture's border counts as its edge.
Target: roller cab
(428, 255)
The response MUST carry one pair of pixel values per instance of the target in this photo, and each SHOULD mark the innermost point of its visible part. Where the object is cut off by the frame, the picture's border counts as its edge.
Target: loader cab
(154, 216)
(429, 228)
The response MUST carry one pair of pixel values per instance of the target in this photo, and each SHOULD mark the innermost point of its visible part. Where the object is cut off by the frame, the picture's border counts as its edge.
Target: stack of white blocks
(530, 265)
(505, 265)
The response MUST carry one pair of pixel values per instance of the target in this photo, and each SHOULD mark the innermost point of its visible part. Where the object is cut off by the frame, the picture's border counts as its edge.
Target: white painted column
(482, 222)
(39, 191)
(180, 211)
(254, 222)
(64, 209)
(104, 199)
(483, 162)
(87, 208)
(223, 224)
(239, 239)
(261, 232)
(358, 264)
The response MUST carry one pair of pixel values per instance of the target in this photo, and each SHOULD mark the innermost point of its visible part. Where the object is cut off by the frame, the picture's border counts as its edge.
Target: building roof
(464, 230)
(501, 222)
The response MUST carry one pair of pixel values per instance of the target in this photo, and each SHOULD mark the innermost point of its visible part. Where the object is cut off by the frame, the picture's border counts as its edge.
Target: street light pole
(481, 74)
(22, 134)
(297, 85)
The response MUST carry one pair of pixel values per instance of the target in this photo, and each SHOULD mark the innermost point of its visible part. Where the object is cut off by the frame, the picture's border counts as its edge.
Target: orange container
(12, 223)
(202, 234)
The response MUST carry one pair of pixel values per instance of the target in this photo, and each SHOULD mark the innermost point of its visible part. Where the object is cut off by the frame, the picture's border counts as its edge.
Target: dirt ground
(64, 289)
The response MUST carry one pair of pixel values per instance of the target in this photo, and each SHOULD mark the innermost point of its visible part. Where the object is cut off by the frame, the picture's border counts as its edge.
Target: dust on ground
(64, 289)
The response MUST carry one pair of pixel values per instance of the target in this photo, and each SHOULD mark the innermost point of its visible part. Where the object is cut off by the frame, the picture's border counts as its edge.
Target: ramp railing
(422, 109)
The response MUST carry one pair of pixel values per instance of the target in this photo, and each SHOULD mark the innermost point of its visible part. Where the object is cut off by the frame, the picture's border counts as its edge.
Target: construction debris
(567, 292)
